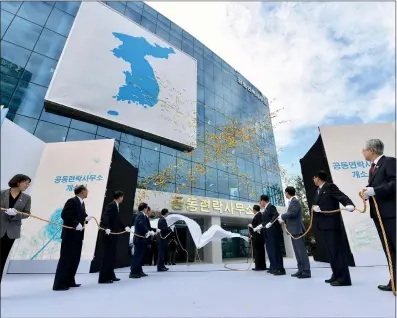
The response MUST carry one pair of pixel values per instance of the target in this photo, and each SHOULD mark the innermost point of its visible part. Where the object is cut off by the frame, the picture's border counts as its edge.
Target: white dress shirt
(377, 159)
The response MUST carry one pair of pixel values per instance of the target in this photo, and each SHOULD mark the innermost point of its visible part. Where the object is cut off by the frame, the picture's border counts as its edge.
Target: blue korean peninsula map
(141, 84)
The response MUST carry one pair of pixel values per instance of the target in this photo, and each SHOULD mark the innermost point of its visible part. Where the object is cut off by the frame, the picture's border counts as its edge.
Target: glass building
(33, 35)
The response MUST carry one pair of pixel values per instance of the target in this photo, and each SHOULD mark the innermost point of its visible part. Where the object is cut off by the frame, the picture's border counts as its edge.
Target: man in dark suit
(294, 225)
(142, 233)
(330, 224)
(112, 223)
(258, 240)
(273, 236)
(73, 215)
(162, 239)
(382, 185)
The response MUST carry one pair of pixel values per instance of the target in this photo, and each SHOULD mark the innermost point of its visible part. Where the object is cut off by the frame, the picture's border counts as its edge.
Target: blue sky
(329, 63)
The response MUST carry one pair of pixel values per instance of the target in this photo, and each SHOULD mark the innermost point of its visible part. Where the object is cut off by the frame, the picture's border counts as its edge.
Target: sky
(320, 63)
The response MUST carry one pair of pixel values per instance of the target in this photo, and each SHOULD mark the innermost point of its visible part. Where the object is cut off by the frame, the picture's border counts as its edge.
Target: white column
(213, 250)
(289, 250)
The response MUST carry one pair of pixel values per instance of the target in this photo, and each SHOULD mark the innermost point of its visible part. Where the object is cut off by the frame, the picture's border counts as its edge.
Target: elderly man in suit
(112, 222)
(294, 224)
(73, 215)
(328, 198)
(13, 200)
(382, 185)
(258, 240)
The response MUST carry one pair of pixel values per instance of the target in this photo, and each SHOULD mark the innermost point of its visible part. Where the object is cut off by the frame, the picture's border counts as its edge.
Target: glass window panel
(198, 44)
(209, 116)
(4, 100)
(184, 155)
(187, 49)
(208, 53)
(150, 10)
(175, 42)
(81, 125)
(60, 22)
(217, 74)
(149, 17)
(198, 153)
(148, 162)
(133, 5)
(56, 119)
(233, 185)
(50, 44)
(117, 5)
(39, 69)
(133, 15)
(168, 163)
(77, 135)
(200, 112)
(223, 183)
(198, 176)
(168, 187)
(6, 19)
(10, 6)
(164, 26)
(209, 82)
(208, 67)
(109, 133)
(70, 7)
(136, 3)
(164, 34)
(116, 143)
(131, 139)
(183, 189)
(149, 25)
(219, 106)
(23, 33)
(176, 28)
(184, 168)
(35, 11)
(50, 132)
(209, 99)
(198, 192)
(219, 88)
(200, 76)
(13, 59)
(7, 87)
(29, 124)
(28, 99)
(167, 150)
(200, 131)
(210, 194)
(150, 145)
(131, 153)
(200, 60)
(164, 20)
(211, 182)
(243, 191)
(200, 93)
(176, 34)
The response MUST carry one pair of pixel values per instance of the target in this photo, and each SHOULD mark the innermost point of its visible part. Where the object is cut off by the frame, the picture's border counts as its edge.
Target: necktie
(83, 207)
(372, 169)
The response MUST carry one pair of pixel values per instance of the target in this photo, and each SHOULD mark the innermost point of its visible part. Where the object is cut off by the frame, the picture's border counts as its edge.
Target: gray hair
(376, 145)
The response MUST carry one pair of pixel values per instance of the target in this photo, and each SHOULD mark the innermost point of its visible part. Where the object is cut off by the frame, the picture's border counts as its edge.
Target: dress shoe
(75, 285)
(329, 281)
(304, 276)
(61, 289)
(173, 264)
(162, 270)
(296, 274)
(135, 276)
(270, 271)
(385, 287)
(336, 283)
(278, 272)
(106, 282)
(116, 279)
(143, 274)
(258, 269)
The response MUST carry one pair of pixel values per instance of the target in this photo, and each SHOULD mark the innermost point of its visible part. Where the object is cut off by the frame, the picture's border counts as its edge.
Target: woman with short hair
(13, 199)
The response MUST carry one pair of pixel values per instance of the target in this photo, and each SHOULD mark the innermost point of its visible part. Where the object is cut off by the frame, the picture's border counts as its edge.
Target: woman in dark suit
(13, 199)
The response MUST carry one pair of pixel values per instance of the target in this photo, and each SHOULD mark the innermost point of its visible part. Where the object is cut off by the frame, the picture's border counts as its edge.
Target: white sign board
(343, 147)
(117, 72)
(63, 166)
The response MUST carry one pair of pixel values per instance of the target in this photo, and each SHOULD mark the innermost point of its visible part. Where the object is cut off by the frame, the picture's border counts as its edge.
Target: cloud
(318, 60)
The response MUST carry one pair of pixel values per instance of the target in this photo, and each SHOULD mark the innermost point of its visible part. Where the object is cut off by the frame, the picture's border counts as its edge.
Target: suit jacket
(269, 215)
(111, 218)
(383, 180)
(142, 226)
(12, 224)
(72, 215)
(328, 199)
(293, 218)
(163, 227)
(257, 220)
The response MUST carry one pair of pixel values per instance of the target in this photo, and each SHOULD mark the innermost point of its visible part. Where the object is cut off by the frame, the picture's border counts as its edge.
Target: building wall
(33, 35)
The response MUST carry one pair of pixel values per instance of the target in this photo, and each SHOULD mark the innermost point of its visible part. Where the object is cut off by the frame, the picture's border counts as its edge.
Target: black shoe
(116, 279)
(135, 276)
(329, 281)
(336, 283)
(385, 287)
(76, 285)
(143, 274)
(106, 282)
(162, 270)
(61, 289)
(259, 269)
(296, 274)
(173, 264)
(270, 271)
(304, 276)
(278, 272)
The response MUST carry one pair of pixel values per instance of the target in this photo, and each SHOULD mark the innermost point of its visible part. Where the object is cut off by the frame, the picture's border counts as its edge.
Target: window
(211, 182)
(184, 168)
(28, 99)
(209, 116)
(208, 67)
(175, 42)
(77, 135)
(200, 112)
(164, 20)
(70, 7)
(29, 124)
(148, 162)
(167, 150)
(198, 153)
(131, 153)
(109, 133)
(60, 22)
(209, 99)
(223, 182)
(23, 33)
(50, 44)
(39, 69)
(50, 133)
(209, 82)
(35, 11)
(131, 139)
(133, 15)
(13, 59)
(6, 19)
(165, 35)
(7, 87)
(149, 25)
(80, 125)
(198, 192)
(117, 5)
(56, 119)
(150, 10)
(10, 6)
(150, 145)
(167, 163)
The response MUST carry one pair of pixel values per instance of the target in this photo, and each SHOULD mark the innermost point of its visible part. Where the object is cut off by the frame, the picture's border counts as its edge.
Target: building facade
(33, 35)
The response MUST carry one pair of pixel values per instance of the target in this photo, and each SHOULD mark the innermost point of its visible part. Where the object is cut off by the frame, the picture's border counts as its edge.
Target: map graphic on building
(141, 85)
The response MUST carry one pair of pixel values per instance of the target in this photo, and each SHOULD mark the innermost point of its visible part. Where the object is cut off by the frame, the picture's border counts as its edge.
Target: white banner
(343, 146)
(114, 69)
(63, 166)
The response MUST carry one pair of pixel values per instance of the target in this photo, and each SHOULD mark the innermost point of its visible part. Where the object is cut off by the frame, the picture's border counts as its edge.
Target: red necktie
(371, 171)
